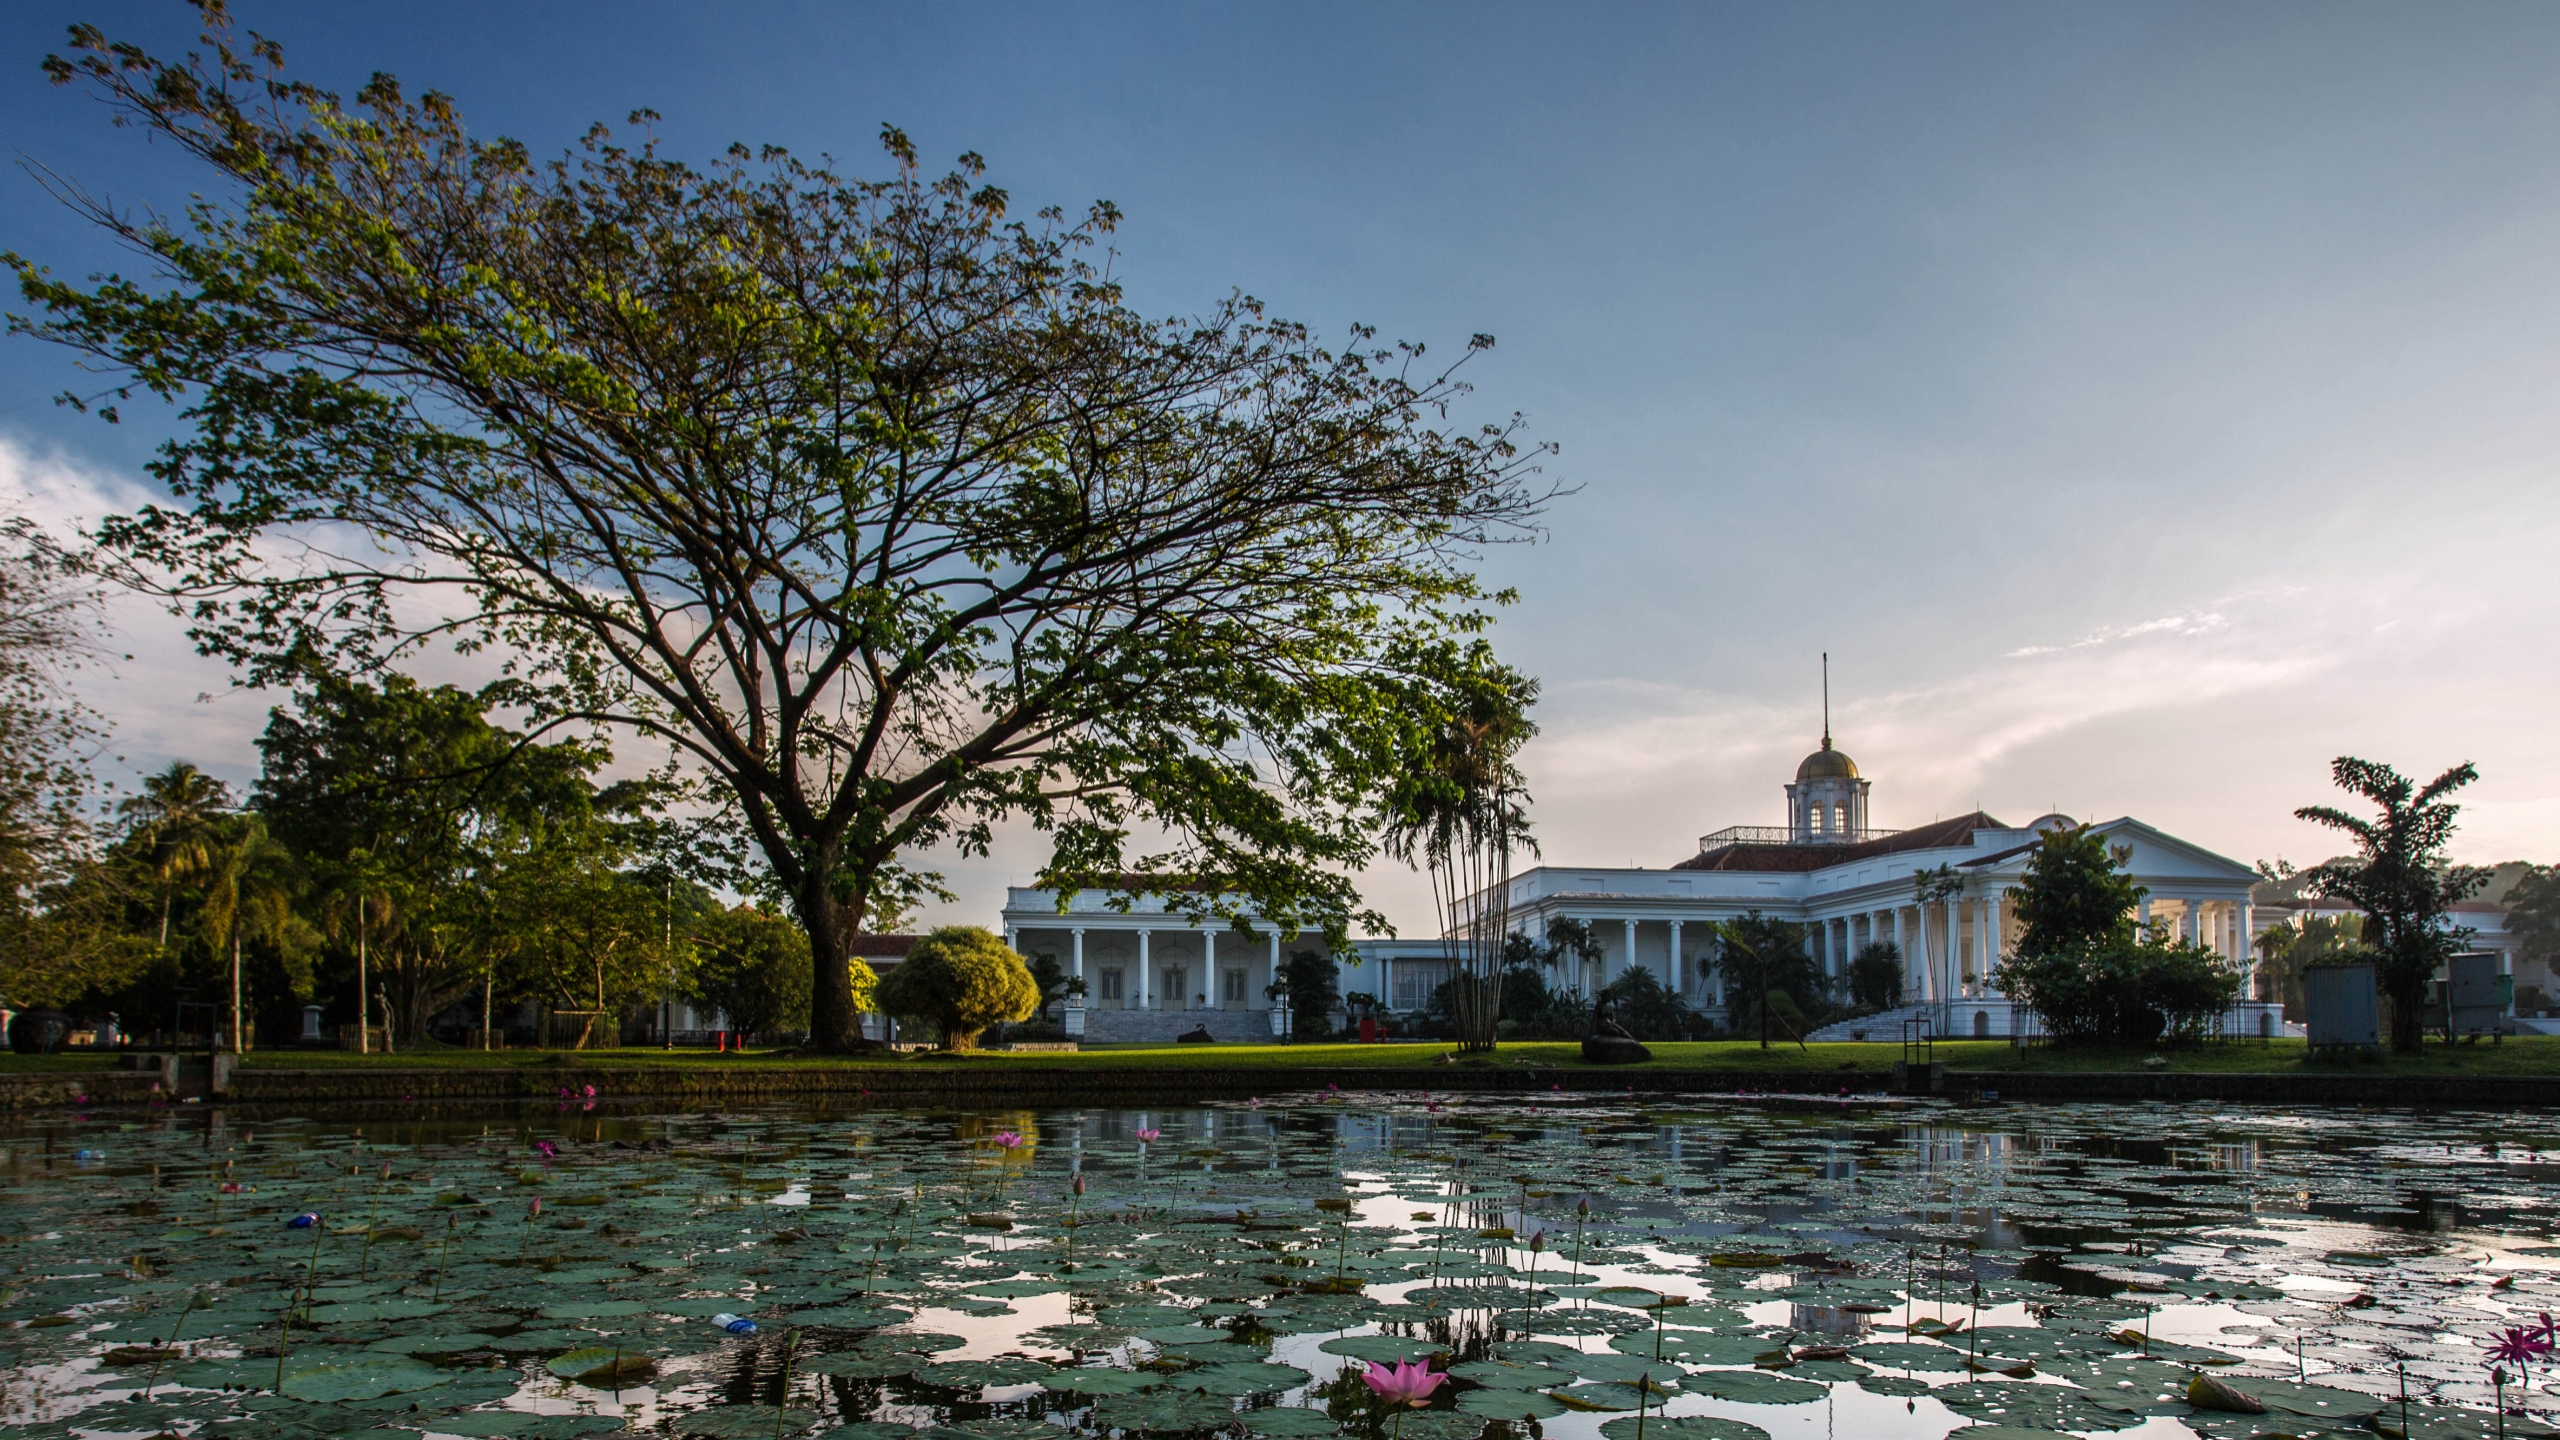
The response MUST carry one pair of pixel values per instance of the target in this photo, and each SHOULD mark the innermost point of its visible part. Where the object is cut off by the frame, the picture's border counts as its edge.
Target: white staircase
(1882, 1028)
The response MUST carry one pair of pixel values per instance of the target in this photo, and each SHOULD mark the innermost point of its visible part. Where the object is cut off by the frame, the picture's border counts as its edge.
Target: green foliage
(1053, 981)
(2533, 912)
(1533, 1008)
(446, 845)
(2081, 966)
(1458, 808)
(962, 979)
(2074, 897)
(1649, 1010)
(1307, 987)
(753, 966)
(1875, 975)
(1771, 983)
(2123, 994)
(2400, 878)
(52, 946)
(2285, 952)
(1033, 557)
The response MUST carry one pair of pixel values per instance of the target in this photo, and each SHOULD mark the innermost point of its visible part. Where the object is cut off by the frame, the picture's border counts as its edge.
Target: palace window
(1110, 984)
(1235, 987)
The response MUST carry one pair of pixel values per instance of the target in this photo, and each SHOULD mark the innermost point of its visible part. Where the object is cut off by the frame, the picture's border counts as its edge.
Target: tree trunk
(2408, 1016)
(834, 1024)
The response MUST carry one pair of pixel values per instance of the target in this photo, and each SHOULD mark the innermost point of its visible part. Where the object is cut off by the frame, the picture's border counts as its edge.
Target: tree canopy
(961, 978)
(2400, 877)
(2074, 897)
(876, 503)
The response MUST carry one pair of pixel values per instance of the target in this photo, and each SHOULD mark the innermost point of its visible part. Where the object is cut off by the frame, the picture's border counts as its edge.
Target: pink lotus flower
(1149, 1137)
(535, 1209)
(1409, 1383)
(549, 1150)
(1009, 1139)
(2520, 1346)
(590, 1092)
(231, 1187)
(1079, 1182)
(1253, 1104)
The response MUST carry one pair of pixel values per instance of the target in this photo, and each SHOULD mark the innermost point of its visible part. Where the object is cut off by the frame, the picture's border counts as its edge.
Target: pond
(1632, 1270)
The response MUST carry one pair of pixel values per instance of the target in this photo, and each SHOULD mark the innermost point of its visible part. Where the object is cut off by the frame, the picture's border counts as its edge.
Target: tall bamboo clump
(1458, 814)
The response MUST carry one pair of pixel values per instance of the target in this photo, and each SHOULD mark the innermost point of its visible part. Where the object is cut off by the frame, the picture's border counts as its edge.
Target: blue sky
(2141, 404)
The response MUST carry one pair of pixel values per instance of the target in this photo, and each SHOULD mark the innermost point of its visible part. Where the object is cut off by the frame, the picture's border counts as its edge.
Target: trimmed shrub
(960, 979)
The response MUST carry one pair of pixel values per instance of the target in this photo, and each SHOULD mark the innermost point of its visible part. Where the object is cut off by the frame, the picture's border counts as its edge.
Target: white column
(1679, 970)
(1012, 941)
(1909, 989)
(2195, 920)
(1144, 994)
(2142, 913)
(1217, 983)
(2248, 939)
(1079, 1000)
(1991, 937)
(1272, 975)
(1954, 946)
(1631, 945)
(1386, 983)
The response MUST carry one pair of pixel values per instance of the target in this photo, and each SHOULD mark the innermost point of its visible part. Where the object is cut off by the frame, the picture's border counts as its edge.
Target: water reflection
(1891, 1268)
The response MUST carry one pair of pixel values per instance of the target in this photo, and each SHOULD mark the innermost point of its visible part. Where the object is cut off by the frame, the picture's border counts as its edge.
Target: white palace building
(1150, 974)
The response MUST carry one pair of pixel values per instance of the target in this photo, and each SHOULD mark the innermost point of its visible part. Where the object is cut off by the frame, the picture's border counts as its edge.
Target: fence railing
(1784, 835)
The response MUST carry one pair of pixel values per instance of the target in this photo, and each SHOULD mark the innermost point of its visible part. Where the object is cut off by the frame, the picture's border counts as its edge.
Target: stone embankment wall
(988, 1082)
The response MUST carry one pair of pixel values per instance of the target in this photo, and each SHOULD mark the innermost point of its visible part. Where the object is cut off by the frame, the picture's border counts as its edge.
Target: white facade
(1147, 969)
(1150, 973)
(1851, 885)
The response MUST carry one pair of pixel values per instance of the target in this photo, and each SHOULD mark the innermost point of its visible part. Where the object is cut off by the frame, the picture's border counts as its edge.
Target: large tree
(407, 805)
(882, 507)
(2400, 877)
(54, 942)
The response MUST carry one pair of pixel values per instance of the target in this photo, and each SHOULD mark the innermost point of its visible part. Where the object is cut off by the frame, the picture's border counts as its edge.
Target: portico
(1143, 958)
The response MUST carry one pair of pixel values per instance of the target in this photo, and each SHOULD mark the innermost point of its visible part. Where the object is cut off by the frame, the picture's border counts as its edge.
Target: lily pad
(1383, 1349)
(512, 1424)
(1162, 1412)
(603, 1366)
(1241, 1378)
(1516, 1406)
(1683, 1427)
(1753, 1387)
(360, 1378)
(1288, 1422)
(741, 1422)
(978, 1374)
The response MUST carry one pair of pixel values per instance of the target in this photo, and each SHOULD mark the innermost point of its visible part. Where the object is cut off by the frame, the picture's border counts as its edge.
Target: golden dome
(1827, 764)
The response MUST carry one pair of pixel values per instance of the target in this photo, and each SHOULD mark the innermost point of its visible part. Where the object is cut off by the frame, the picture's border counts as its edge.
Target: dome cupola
(1828, 803)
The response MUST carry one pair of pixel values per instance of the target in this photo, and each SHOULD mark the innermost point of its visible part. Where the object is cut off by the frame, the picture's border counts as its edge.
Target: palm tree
(177, 816)
(2401, 878)
(1458, 813)
(249, 884)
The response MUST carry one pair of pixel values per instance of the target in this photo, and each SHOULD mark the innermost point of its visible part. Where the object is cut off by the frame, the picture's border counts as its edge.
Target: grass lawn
(2528, 1054)
(2525, 1055)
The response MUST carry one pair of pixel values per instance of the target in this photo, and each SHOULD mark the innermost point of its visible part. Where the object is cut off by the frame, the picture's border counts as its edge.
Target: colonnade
(1144, 990)
(1951, 948)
